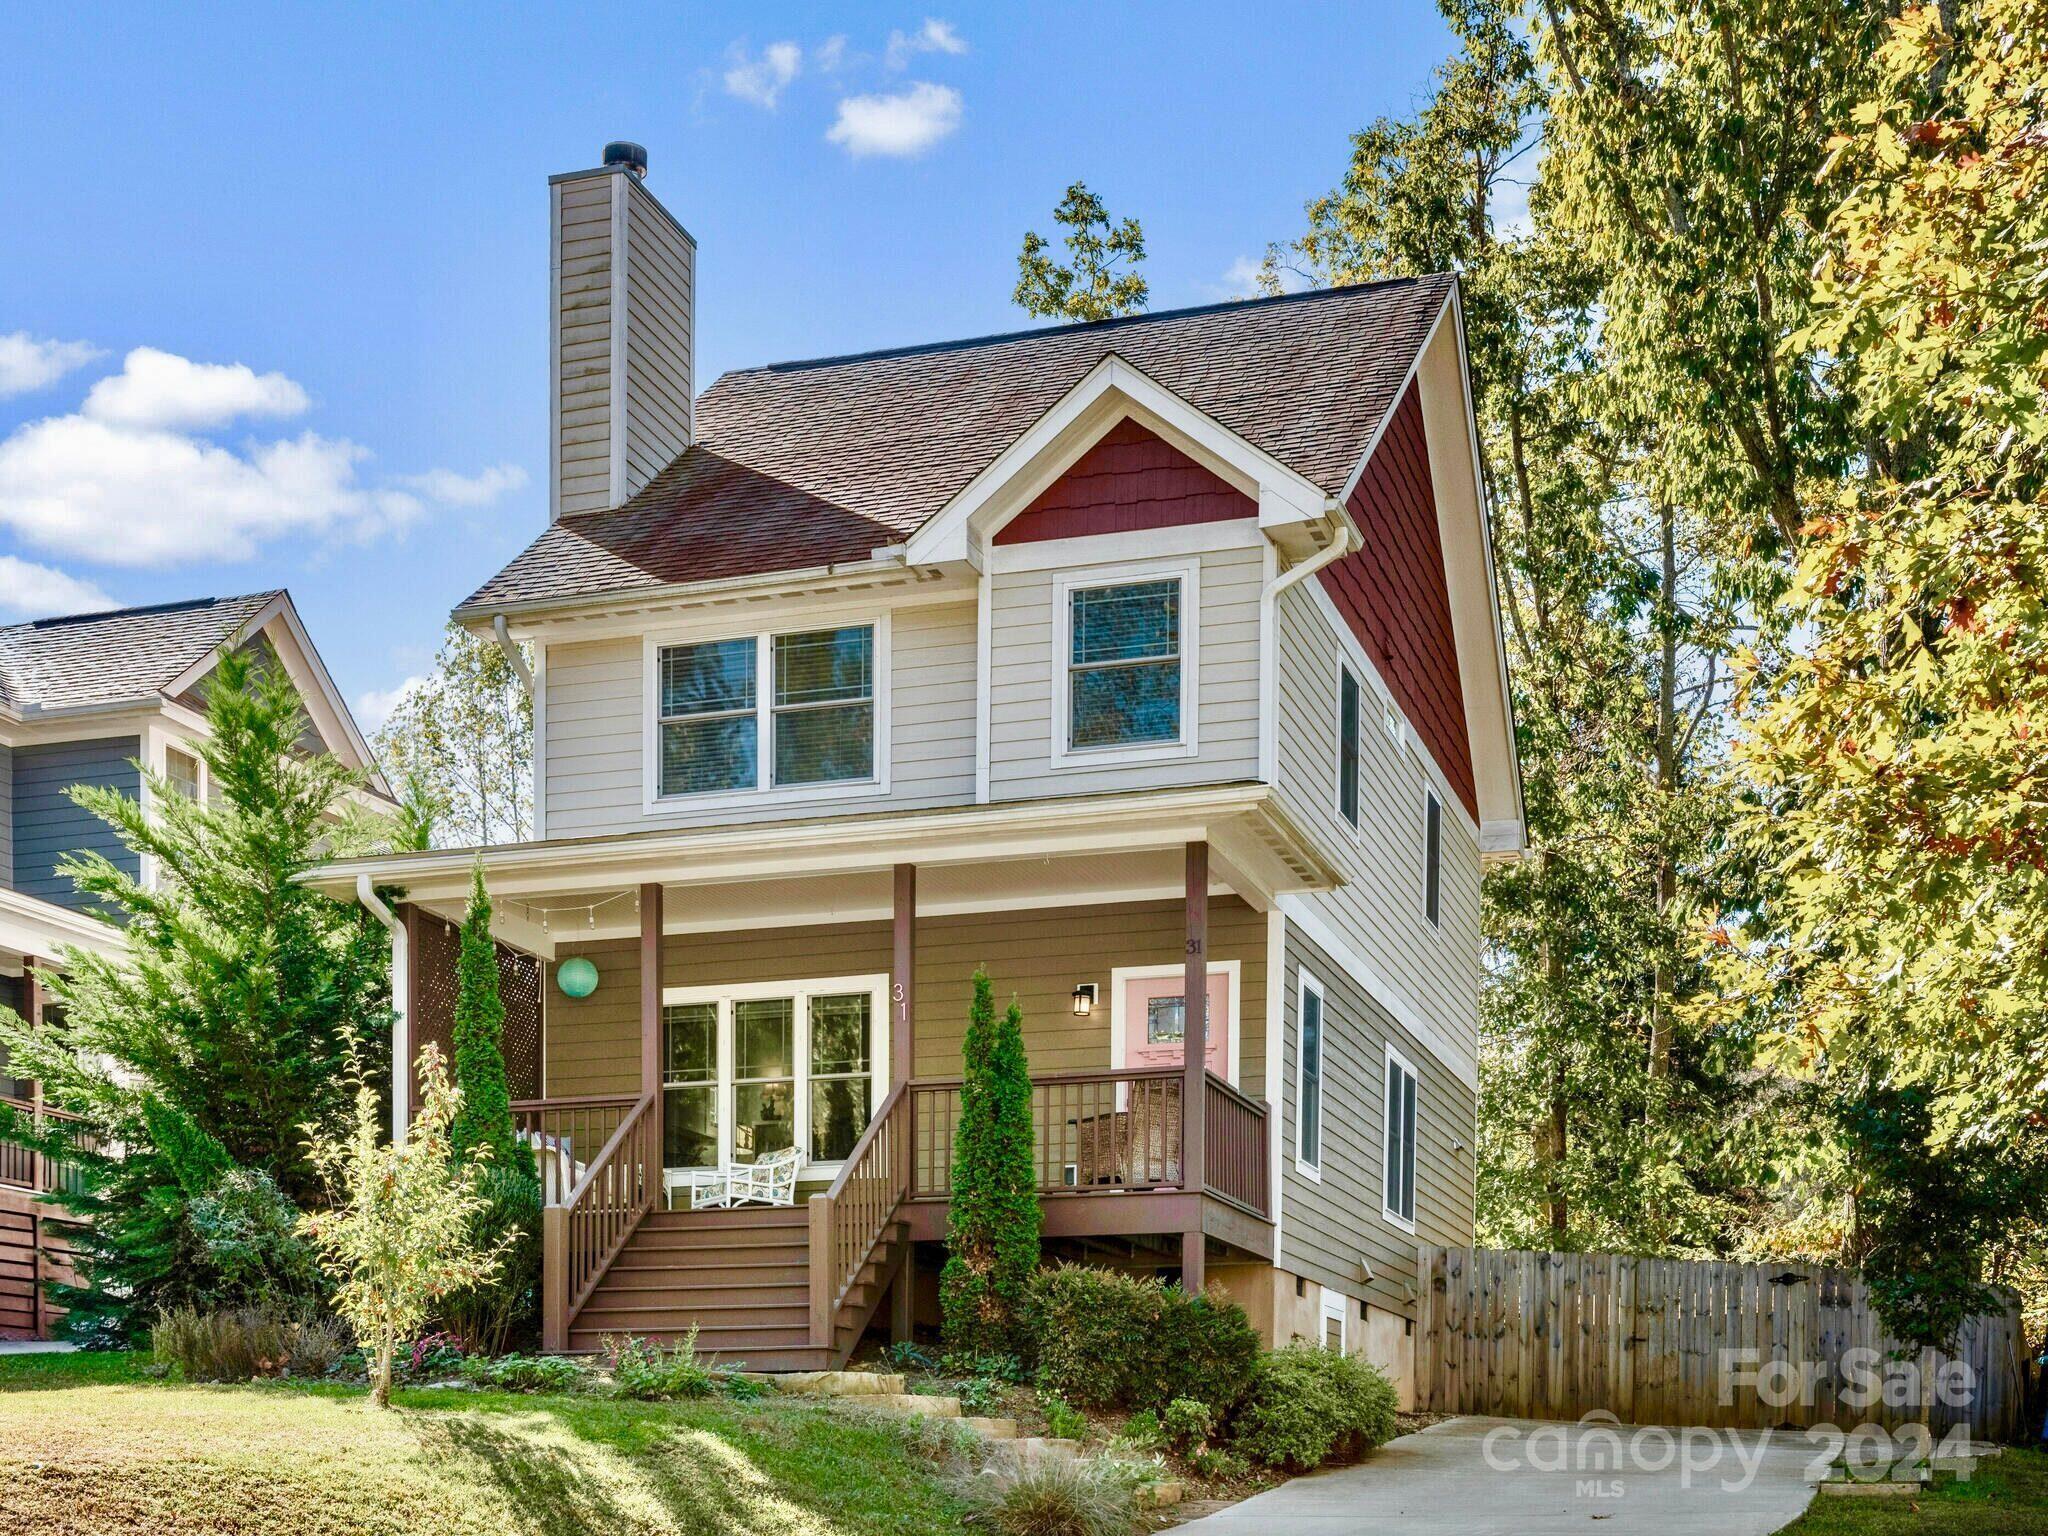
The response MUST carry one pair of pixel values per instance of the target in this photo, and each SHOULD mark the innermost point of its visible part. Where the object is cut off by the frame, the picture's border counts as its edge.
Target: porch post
(903, 983)
(1194, 1094)
(650, 987)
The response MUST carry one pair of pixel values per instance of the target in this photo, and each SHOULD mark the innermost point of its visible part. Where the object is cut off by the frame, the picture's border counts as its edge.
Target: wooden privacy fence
(1679, 1342)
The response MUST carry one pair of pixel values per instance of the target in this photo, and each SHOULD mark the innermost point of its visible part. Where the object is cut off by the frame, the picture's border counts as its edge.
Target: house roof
(803, 464)
(110, 658)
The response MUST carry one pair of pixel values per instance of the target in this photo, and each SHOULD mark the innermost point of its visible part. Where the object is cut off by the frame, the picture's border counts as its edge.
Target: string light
(589, 909)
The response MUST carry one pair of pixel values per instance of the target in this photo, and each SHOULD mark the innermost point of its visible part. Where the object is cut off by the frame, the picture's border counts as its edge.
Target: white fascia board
(42, 929)
(1283, 496)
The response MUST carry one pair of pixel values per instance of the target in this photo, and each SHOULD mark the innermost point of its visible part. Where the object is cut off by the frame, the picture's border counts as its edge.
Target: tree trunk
(380, 1381)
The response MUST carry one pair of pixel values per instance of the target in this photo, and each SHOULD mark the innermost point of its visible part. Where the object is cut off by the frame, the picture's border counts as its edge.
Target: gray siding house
(1134, 662)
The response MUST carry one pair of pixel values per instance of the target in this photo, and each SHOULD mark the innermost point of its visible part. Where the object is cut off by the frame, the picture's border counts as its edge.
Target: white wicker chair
(770, 1181)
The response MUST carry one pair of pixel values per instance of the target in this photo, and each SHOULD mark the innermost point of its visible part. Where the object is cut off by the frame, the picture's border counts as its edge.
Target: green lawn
(94, 1445)
(2007, 1496)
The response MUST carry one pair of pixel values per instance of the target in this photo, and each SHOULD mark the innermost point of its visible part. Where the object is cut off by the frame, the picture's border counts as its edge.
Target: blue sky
(273, 279)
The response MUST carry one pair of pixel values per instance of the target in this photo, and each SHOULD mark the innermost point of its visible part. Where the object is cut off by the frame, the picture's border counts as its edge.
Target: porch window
(825, 706)
(1308, 1095)
(709, 731)
(842, 1063)
(764, 1077)
(1124, 664)
(1400, 1148)
(689, 1085)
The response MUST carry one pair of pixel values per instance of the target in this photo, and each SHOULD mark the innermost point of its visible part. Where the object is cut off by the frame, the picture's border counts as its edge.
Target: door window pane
(764, 1077)
(689, 1125)
(824, 706)
(708, 726)
(842, 1067)
(1124, 668)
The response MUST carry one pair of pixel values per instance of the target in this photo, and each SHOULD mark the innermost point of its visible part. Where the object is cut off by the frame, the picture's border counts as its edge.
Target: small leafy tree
(486, 1314)
(460, 743)
(994, 1221)
(1100, 279)
(399, 1237)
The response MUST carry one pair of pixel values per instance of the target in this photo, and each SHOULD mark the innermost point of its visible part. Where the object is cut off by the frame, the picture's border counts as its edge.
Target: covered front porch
(732, 1009)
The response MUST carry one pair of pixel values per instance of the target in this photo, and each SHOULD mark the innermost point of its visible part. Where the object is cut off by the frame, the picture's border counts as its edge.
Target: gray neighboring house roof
(805, 464)
(129, 654)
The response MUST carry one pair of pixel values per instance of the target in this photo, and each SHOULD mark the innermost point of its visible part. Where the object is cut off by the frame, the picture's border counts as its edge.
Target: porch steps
(741, 1278)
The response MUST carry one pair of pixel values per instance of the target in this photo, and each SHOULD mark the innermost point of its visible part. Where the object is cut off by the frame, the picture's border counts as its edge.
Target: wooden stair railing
(851, 1218)
(583, 1230)
(1235, 1162)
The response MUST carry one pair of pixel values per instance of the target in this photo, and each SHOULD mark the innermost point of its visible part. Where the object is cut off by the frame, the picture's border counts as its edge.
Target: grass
(96, 1445)
(2003, 1497)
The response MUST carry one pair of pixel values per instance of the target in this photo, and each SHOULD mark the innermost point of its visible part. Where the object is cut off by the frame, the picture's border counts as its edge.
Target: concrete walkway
(1505, 1477)
(34, 1347)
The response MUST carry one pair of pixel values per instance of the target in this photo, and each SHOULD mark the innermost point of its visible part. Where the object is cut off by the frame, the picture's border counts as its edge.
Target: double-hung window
(1400, 1147)
(1125, 664)
(1347, 745)
(689, 1085)
(182, 769)
(766, 711)
(1308, 1078)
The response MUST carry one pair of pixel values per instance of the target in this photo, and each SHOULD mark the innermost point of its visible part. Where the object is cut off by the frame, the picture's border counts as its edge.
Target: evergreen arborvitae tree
(993, 1224)
(485, 1118)
(225, 1026)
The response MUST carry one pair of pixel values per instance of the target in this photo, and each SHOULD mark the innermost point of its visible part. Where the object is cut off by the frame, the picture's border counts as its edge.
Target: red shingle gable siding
(1396, 598)
(1131, 480)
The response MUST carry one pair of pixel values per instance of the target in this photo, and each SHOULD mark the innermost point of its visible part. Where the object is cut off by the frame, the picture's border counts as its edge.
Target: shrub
(1141, 1432)
(439, 1353)
(1052, 1496)
(642, 1369)
(1063, 1421)
(492, 1315)
(527, 1373)
(906, 1356)
(990, 1363)
(318, 1345)
(247, 1233)
(1218, 1465)
(993, 1221)
(1307, 1402)
(980, 1396)
(1107, 1340)
(1187, 1424)
(242, 1343)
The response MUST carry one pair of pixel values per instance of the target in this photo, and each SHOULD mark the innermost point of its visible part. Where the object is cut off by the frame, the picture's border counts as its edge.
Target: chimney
(622, 331)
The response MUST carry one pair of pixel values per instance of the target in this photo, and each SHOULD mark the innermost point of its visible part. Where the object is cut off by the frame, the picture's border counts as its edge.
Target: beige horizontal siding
(583, 340)
(1023, 635)
(593, 1045)
(593, 754)
(661, 288)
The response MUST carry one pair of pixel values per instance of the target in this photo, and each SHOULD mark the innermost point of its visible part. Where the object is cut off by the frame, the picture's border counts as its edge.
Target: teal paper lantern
(576, 978)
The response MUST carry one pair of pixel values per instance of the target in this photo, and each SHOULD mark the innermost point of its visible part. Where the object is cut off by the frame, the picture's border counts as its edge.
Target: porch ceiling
(1082, 851)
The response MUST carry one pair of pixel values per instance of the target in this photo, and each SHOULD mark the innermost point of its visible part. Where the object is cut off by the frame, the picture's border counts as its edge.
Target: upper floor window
(182, 769)
(1347, 745)
(1400, 1147)
(1432, 858)
(761, 711)
(1127, 663)
(1308, 1081)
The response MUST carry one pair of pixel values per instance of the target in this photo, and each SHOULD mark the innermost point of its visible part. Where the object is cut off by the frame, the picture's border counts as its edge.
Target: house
(89, 699)
(1134, 661)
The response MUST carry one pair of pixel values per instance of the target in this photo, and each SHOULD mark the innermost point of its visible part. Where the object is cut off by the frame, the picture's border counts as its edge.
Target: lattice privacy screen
(435, 946)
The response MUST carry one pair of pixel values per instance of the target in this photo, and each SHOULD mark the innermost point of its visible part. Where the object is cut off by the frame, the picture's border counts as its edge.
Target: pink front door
(1154, 1023)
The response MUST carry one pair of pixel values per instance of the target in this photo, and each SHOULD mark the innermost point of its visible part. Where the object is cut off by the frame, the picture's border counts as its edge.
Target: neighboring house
(1134, 660)
(87, 699)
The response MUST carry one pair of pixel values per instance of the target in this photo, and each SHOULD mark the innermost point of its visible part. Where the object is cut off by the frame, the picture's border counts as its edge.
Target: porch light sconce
(1084, 999)
(577, 977)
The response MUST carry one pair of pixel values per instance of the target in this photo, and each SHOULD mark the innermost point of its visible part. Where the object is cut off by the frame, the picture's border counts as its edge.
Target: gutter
(1336, 549)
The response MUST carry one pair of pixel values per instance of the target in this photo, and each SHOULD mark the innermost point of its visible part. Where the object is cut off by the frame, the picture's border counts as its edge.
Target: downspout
(1339, 544)
(401, 1009)
(513, 654)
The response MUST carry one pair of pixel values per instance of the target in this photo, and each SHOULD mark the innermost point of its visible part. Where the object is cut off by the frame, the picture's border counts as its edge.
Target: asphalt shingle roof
(105, 658)
(814, 463)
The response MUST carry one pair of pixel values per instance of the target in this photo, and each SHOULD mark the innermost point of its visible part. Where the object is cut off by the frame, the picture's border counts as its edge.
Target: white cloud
(161, 389)
(905, 122)
(1241, 280)
(28, 364)
(934, 36)
(31, 591)
(374, 707)
(458, 490)
(762, 80)
(830, 56)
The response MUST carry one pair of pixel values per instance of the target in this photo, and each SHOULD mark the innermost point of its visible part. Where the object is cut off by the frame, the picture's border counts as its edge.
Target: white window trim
(1304, 983)
(1119, 1022)
(877, 986)
(1336, 1304)
(1395, 1058)
(1065, 584)
(1355, 828)
(1429, 798)
(158, 742)
(764, 791)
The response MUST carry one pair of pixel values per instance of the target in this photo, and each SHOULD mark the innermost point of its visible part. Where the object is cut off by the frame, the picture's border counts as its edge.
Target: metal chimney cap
(625, 152)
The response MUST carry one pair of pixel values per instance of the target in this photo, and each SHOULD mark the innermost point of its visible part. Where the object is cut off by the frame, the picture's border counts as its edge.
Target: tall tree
(993, 1222)
(459, 744)
(1099, 279)
(226, 1023)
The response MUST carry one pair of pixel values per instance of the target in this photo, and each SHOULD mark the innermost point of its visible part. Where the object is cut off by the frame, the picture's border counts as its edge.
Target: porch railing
(41, 1173)
(583, 1232)
(851, 1217)
(566, 1134)
(1234, 1160)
